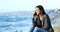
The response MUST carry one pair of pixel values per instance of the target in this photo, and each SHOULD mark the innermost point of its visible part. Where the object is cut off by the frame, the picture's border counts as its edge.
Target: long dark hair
(41, 9)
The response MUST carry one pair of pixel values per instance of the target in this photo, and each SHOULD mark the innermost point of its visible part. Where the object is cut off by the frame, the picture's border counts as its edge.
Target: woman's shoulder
(45, 16)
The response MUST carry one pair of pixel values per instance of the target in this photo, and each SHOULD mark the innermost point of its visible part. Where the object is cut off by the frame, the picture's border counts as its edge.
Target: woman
(41, 21)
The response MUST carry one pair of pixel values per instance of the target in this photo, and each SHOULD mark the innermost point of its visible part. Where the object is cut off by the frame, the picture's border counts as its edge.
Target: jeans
(32, 29)
(36, 29)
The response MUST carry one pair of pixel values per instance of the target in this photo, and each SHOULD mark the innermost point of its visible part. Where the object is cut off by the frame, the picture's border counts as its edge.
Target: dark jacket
(46, 22)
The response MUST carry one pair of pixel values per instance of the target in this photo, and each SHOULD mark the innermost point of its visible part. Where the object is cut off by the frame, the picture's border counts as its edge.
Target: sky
(27, 5)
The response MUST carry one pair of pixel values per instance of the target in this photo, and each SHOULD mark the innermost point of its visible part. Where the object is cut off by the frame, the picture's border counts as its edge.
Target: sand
(57, 29)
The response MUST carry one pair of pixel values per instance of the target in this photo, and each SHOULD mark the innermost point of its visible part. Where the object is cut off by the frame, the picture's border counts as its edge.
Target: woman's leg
(39, 30)
(50, 30)
(32, 29)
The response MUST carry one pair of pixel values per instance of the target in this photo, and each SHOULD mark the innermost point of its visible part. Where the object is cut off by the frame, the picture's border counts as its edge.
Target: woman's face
(38, 11)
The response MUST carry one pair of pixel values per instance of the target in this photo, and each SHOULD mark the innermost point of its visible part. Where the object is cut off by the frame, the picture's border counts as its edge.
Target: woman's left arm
(47, 22)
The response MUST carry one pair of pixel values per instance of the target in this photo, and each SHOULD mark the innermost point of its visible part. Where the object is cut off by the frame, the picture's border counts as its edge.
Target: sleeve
(47, 23)
(33, 25)
(33, 22)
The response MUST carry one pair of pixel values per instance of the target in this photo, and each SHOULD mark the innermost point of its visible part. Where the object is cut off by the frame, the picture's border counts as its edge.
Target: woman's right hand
(33, 14)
